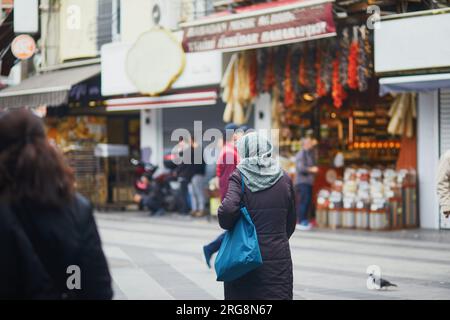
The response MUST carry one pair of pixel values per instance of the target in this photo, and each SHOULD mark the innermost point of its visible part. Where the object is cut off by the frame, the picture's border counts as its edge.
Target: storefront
(307, 74)
(193, 97)
(423, 71)
(70, 102)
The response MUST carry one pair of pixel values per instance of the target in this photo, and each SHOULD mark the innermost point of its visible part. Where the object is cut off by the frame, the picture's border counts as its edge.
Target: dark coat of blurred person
(270, 199)
(45, 226)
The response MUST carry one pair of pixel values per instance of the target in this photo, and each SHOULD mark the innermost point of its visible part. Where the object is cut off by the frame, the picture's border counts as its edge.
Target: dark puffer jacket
(38, 246)
(273, 213)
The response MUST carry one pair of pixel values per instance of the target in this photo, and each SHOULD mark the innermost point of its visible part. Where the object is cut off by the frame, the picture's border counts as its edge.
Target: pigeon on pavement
(382, 283)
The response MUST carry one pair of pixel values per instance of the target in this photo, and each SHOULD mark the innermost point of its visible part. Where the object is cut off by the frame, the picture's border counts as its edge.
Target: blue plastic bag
(239, 252)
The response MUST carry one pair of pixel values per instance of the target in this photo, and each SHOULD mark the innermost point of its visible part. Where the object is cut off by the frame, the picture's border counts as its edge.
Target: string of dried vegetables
(262, 58)
(363, 74)
(253, 76)
(352, 80)
(320, 86)
(310, 61)
(344, 46)
(295, 65)
(269, 78)
(289, 96)
(368, 49)
(302, 80)
(327, 64)
(280, 65)
(337, 93)
(244, 95)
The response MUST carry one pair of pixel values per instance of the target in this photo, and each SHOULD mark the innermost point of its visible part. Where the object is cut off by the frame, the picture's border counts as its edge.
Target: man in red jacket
(228, 158)
(226, 163)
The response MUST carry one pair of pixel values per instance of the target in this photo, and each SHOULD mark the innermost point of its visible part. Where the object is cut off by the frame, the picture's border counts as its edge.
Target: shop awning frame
(49, 89)
(415, 83)
(249, 14)
(183, 99)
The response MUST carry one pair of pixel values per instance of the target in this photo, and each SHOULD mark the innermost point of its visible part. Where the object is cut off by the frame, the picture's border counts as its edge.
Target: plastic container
(378, 218)
(334, 216)
(322, 212)
(348, 215)
(361, 216)
(395, 213)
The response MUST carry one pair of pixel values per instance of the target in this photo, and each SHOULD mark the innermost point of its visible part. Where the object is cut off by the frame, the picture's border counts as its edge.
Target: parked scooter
(148, 192)
(155, 192)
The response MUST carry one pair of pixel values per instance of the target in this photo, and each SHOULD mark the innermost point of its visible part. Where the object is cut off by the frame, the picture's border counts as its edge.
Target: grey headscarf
(259, 168)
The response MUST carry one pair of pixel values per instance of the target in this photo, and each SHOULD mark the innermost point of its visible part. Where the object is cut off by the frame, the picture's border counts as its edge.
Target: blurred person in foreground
(306, 171)
(226, 164)
(46, 228)
(270, 199)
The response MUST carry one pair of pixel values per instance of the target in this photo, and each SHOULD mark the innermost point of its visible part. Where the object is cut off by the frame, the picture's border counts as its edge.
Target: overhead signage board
(269, 25)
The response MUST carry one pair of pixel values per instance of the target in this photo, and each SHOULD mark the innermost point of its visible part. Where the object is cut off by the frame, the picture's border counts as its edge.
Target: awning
(262, 25)
(415, 83)
(181, 99)
(50, 88)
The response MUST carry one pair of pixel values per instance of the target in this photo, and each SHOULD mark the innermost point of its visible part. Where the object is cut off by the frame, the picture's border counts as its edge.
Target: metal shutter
(104, 22)
(444, 135)
(444, 120)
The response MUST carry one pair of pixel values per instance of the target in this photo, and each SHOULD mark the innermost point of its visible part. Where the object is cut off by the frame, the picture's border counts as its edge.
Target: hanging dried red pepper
(289, 97)
(253, 74)
(353, 62)
(302, 73)
(320, 85)
(338, 94)
(269, 80)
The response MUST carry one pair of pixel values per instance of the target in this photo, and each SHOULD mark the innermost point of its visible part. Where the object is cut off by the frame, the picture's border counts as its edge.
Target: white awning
(182, 99)
(427, 82)
(50, 88)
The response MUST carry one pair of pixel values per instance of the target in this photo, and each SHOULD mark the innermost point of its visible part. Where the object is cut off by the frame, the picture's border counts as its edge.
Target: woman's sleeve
(229, 210)
(95, 275)
(292, 213)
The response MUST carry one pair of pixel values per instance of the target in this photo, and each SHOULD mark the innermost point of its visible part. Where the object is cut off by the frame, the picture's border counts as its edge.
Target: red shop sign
(275, 23)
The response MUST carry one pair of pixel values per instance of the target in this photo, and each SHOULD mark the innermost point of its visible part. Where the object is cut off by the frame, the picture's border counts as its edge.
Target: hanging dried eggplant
(344, 46)
(262, 63)
(295, 65)
(302, 79)
(280, 66)
(309, 67)
(327, 64)
(363, 73)
(253, 74)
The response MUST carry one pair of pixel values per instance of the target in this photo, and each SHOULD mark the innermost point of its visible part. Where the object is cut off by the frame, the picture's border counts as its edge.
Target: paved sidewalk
(161, 258)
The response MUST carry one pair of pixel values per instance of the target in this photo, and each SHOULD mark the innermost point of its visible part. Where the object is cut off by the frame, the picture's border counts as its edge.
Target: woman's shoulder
(82, 208)
(286, 179)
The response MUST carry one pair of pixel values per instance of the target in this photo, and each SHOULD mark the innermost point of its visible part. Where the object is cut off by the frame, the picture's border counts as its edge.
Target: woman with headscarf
(269, 197)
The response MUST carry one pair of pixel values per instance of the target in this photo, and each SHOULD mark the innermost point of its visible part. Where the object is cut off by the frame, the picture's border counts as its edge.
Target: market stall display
(369, 199)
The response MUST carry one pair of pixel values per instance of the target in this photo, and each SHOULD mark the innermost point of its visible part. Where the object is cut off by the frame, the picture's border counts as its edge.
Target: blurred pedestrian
(48, 230)
(306, 169)
(198, 184)
(184, 171)
(226, 164)
(443, 183)
(270, 199)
